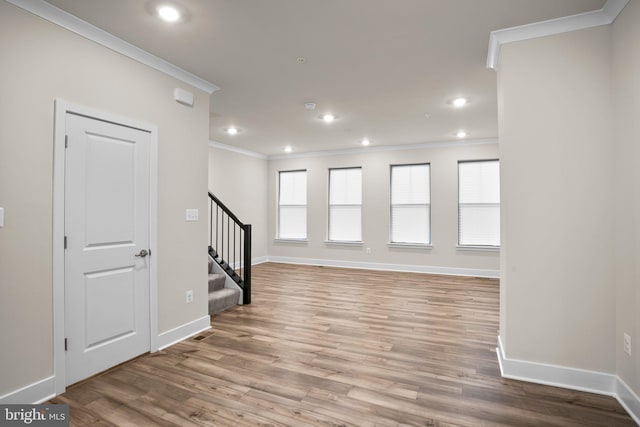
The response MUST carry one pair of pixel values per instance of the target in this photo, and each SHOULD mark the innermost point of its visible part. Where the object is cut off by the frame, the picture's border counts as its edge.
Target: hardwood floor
(334, 347)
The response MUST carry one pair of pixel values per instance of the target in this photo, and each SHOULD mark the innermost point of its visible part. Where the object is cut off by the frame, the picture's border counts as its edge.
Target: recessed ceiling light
(460, 102)
(288, 149)
(232, 130)
(168, 13)
(366, 142)
(461, 134)
(328, 117)
(310, 105)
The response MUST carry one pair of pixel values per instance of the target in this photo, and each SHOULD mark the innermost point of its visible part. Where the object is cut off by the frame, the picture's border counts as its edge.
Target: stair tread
(222, 293)
(216, 281)
(223, 299)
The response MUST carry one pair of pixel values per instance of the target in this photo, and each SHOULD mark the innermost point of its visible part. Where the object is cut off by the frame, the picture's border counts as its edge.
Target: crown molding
(486, 141)
(76, 25)
(375, 149)
(604, 16)
(220, 145)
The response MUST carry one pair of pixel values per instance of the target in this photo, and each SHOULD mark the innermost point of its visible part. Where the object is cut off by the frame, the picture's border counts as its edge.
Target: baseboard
(35, 393)
(570, 378)
(449, 271)
(556, 376)
(175, 335)
(628, 399)
(259, 260)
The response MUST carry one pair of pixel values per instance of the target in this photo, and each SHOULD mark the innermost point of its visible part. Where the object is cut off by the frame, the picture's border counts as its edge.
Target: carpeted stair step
(222, 299)
(216, 282)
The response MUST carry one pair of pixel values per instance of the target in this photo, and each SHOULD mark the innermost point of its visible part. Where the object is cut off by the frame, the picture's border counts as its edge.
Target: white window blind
(292, 205)
(410, 204)
(345, 204)
(479, 203)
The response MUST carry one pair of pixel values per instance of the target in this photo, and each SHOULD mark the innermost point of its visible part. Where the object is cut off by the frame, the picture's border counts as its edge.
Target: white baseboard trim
(570, 378)
(259, 260)
(175, 335)
(35, 393)
(628, 399)
(449, 271)
(43, 390)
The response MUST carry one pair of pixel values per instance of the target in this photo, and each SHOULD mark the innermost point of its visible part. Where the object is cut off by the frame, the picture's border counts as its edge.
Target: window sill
(300, 241)
(478, 248)
(409, 245)
(343, 243)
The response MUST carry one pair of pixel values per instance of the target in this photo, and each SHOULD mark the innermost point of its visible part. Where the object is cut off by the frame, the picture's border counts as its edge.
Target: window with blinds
(479, 203)
(292, 204)
(411, 204)
(345, 205)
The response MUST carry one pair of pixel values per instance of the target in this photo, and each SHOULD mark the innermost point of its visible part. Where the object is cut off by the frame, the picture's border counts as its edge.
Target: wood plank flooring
(334, 347)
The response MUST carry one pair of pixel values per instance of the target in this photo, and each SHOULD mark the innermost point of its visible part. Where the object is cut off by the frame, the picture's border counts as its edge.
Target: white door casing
(105, 202)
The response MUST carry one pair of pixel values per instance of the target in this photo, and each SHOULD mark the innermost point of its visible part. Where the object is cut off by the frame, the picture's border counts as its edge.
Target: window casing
(479, 203)
(411, 204)
(292, 205)
(345, 205)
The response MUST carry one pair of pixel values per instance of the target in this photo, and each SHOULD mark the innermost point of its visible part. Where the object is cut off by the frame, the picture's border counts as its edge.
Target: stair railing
(230, 245)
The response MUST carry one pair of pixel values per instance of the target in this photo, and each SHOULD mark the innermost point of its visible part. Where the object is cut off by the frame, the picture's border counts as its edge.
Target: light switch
(192, 214)
(1, 217)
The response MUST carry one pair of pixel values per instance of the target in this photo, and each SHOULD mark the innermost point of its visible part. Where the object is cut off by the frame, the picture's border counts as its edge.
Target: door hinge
(65, 344)
(65, 242)
(149, 252)
(66, 141)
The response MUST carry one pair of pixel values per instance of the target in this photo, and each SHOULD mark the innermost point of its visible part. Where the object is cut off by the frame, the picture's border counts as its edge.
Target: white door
(106, 228)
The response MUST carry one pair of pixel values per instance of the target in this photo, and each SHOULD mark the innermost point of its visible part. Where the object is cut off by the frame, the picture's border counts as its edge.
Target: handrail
(226, 209)
(230, 247)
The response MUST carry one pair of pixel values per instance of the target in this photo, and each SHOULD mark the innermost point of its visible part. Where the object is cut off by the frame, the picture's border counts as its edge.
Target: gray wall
(240, 182)
(42, 62)
(570, 282)
(376, 211)
(626, 131)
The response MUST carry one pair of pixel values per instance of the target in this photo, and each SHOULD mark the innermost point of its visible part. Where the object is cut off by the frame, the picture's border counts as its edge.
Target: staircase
(220, 298)
(229, 258)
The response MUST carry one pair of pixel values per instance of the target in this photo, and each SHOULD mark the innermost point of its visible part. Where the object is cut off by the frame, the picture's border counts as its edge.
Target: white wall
(570, 274)
(558, 302)
(626, 128)
(240, 182)
(376, 211)
(42, 62)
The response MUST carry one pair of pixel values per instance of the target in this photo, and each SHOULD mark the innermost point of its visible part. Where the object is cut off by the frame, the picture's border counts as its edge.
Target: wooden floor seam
(323, 346)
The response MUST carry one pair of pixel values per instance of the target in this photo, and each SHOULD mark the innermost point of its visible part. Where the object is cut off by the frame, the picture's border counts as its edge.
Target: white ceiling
(379, 65)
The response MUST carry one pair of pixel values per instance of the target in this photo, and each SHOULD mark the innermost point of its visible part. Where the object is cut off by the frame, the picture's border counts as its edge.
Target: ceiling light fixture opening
(168, 13)
(310, 105)
(288, 149)
(232, 130)
(461, 134)
(460, 102)
(365, 142)
(328, 118)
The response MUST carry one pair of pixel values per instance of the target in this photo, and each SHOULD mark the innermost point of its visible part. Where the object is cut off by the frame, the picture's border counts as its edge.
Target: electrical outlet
(189, 296)
(627, 344)
(368, 250)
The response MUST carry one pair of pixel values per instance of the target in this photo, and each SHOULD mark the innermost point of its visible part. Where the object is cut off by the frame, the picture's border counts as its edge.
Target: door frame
(61, 109)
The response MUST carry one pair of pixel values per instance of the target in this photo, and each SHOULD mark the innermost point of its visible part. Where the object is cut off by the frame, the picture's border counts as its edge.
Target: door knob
(143, 253)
